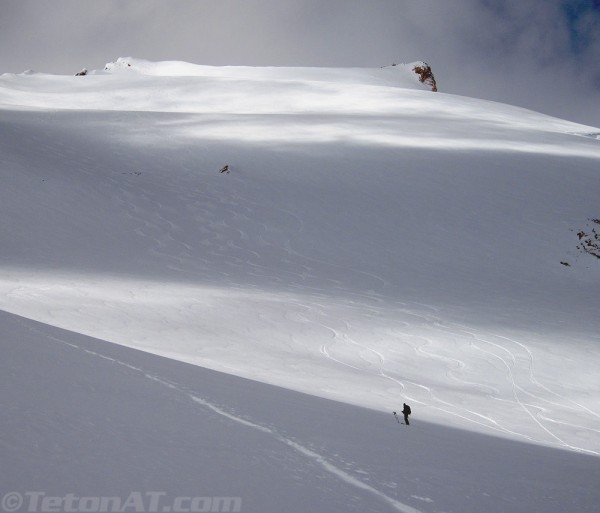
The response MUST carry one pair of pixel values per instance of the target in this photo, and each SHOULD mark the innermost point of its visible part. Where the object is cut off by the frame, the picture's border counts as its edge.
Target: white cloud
(515, 51)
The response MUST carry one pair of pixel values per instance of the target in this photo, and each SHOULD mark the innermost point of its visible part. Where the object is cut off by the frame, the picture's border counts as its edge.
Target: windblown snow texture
(372, 243)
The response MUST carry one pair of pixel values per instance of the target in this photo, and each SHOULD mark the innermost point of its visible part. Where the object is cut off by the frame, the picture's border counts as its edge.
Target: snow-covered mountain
(368, 241)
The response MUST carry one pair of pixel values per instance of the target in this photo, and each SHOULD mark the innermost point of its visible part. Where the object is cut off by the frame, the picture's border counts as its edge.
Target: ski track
(338, 338)
(343, 339)
(451, 408)
(510, 365)
(153, 221)
(296, 446)
(343, 342)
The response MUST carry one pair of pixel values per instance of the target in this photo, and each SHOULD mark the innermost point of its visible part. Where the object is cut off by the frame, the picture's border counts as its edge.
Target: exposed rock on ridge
(425, 74)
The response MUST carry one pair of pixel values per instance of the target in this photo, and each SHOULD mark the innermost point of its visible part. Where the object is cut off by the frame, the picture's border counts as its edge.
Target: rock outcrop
(589, 239)
(425, 74)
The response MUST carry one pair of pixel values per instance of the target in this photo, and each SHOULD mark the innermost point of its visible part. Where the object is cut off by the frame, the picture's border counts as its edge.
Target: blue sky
(581, 33)
(539, 54)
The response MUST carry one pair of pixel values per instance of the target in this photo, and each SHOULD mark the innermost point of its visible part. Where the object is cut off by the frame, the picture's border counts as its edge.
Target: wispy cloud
(539, 54)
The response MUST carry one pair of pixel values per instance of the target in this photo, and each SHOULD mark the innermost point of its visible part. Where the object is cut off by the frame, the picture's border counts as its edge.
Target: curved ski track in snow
(223, 235)
(377, 366)
(296, 446)
(241, 219)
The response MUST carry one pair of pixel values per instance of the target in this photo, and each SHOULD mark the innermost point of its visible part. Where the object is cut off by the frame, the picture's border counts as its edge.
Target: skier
(406, 412)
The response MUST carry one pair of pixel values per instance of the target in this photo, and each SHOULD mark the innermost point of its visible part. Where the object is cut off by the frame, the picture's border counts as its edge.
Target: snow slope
(373, 242)
(93, 419)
